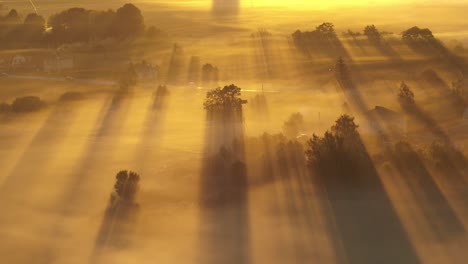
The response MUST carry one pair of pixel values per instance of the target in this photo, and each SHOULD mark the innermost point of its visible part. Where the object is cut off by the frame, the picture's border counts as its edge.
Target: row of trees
(23, 104)
(73, 25)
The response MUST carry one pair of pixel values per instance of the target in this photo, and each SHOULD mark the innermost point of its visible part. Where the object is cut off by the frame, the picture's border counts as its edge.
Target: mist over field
(232, 131)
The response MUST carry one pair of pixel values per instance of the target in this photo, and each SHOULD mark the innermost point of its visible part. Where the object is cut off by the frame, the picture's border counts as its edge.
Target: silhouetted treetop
(326, 29)
(340, 145)
(342, 73)
(372, 34)
(126, 186)
(405, 96)
(225, 98)
(294, 125)
(12, 18)
(345, 127)
(417, 34)
(129, 22)
(210, 73)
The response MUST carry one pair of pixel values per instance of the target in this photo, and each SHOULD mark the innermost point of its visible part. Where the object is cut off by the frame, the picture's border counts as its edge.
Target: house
(384, 120)
(58, 63)
(19, 61)
(146, 71)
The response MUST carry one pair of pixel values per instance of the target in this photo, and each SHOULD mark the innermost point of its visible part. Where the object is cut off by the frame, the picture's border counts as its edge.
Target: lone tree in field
(222, 99)
(342, 73)
(129, 77)
(126, 187)
(405, 96)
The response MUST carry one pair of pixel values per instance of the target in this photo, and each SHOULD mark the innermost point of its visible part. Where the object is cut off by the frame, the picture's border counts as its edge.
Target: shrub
(27, 104)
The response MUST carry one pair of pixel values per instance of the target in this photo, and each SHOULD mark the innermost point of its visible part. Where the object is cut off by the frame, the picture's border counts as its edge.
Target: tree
(209, 73)
(345, 127)
(342, 73)
(372, 34)
(294, 125)
(341, 145)
(101, 23)
(405, 96)
(126, 186)
(459, 89)
(12, 18)
(226, 98)
(326, 29)
(129, 77)
(35, 21)
(129, 22)
(33, 28)
(71, 25)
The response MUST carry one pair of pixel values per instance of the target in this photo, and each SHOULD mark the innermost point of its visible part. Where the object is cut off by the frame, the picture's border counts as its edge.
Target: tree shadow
(436, 209)
(39, 153)
(366, 220)
(223, 194)
(94, 149)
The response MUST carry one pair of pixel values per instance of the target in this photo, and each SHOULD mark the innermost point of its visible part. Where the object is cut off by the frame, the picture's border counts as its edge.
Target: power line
(34, 6)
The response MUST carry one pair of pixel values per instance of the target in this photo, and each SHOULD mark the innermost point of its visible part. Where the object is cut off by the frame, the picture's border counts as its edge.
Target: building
(146, 71)
(384, 120)
(19, 61)
(58, 63)
(225, 6)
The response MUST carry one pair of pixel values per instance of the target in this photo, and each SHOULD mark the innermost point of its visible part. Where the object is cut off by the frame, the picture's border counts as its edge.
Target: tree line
(71, 26)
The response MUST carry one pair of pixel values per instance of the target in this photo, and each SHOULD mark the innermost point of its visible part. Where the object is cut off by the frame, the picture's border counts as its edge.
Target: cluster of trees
(274, 156)
(225, 177)
(370, 32)
(15, 30)
(322, 38)
(23, 104)
(456, 94)
(423, 41)
(339, 150)
(82, 25)
(73, 25)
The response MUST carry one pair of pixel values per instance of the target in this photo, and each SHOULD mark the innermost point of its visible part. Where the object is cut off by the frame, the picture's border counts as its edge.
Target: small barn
(384, 120)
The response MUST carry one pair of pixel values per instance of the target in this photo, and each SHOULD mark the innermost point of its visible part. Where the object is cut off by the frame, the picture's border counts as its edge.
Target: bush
(71, 96)
(4, 107)
(27, 104)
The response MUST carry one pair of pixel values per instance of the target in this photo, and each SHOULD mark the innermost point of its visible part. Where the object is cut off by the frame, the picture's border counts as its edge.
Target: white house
(58, 63)
(18, 61)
